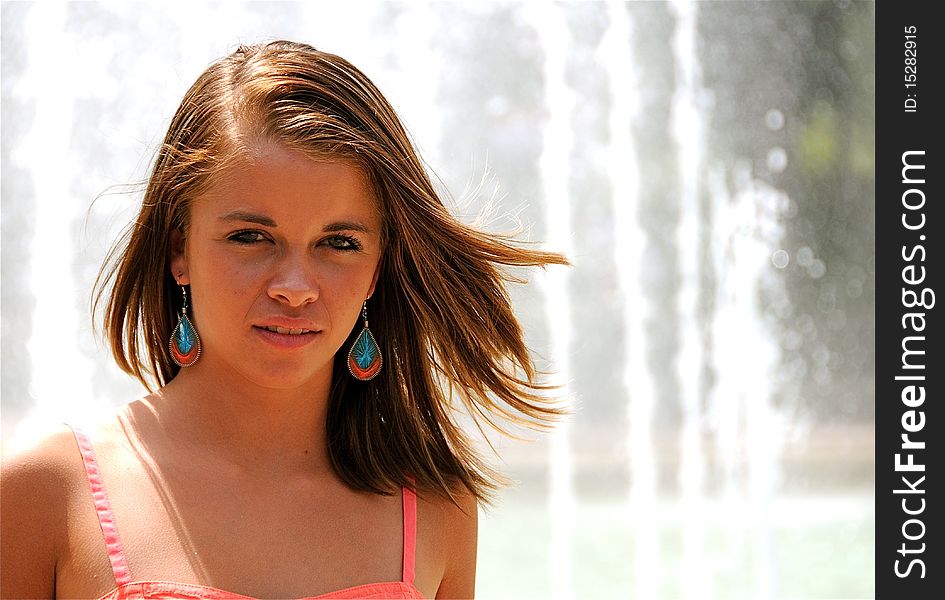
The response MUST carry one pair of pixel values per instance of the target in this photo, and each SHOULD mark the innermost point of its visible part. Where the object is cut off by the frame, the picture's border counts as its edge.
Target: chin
(286, 377)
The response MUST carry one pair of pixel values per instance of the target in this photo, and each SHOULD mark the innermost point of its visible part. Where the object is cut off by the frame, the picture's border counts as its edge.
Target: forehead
(269, 177)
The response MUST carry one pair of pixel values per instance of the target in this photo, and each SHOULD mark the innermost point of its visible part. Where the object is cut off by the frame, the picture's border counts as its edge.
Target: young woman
(311, 316)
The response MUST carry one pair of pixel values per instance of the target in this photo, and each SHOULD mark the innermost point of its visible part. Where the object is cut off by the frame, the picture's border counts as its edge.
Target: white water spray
(61, 376)
(628, 256)
(555, 172)
(747, 228)
(688, 128)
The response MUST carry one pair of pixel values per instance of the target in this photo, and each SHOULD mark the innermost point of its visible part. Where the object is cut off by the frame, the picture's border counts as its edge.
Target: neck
(248, 426)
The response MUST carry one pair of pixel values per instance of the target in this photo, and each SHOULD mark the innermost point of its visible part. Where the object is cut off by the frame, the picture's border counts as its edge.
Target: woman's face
(280, 254)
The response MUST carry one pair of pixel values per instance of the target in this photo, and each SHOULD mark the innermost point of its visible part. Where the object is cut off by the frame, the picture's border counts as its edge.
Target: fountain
(604, 127)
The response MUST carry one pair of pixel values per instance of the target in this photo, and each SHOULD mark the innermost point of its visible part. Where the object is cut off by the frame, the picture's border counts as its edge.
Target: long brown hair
(440, 312)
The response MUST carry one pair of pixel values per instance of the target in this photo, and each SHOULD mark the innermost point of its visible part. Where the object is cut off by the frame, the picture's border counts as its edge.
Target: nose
(294, 281)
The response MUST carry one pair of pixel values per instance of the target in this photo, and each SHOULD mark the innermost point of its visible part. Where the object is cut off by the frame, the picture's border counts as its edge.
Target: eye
(343, 242)
(247, 236)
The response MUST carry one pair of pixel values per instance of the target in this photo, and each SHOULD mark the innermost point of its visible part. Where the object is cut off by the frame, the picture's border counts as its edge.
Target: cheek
(345, 284)
(219, 277)
(343, 290)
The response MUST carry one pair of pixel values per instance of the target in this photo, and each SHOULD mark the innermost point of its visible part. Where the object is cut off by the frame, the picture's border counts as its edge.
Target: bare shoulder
(34, 467)
(36, 481)
(459, 525)
(462, 516)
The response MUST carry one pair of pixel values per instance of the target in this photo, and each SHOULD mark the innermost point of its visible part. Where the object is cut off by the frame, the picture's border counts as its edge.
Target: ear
(178, 262)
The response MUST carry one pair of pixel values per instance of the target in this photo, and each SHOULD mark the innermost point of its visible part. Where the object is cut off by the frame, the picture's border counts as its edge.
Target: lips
(287, 325)
(292, 338)
(287, 331)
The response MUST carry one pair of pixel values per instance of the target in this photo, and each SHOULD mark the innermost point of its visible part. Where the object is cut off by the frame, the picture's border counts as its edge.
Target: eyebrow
(238, 215)
(248, 217)
(346, 226)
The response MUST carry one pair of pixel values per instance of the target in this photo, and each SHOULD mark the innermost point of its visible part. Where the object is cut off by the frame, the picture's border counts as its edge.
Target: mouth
(287, 331)
(287, 337)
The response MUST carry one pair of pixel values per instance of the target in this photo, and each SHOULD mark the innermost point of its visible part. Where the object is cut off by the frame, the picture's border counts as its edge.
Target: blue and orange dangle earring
(185, 343)
(364, 358)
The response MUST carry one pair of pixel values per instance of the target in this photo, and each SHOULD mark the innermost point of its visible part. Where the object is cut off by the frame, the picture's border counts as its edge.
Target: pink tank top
(126, 588)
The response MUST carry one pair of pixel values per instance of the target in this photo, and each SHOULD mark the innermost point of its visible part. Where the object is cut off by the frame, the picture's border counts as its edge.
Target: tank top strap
(410, 531)
(116, 553)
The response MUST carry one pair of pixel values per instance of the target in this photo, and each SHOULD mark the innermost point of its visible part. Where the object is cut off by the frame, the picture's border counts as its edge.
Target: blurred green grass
(816, 548)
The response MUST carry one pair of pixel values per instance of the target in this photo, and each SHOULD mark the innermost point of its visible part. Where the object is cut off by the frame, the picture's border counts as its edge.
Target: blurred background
(708, 168)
